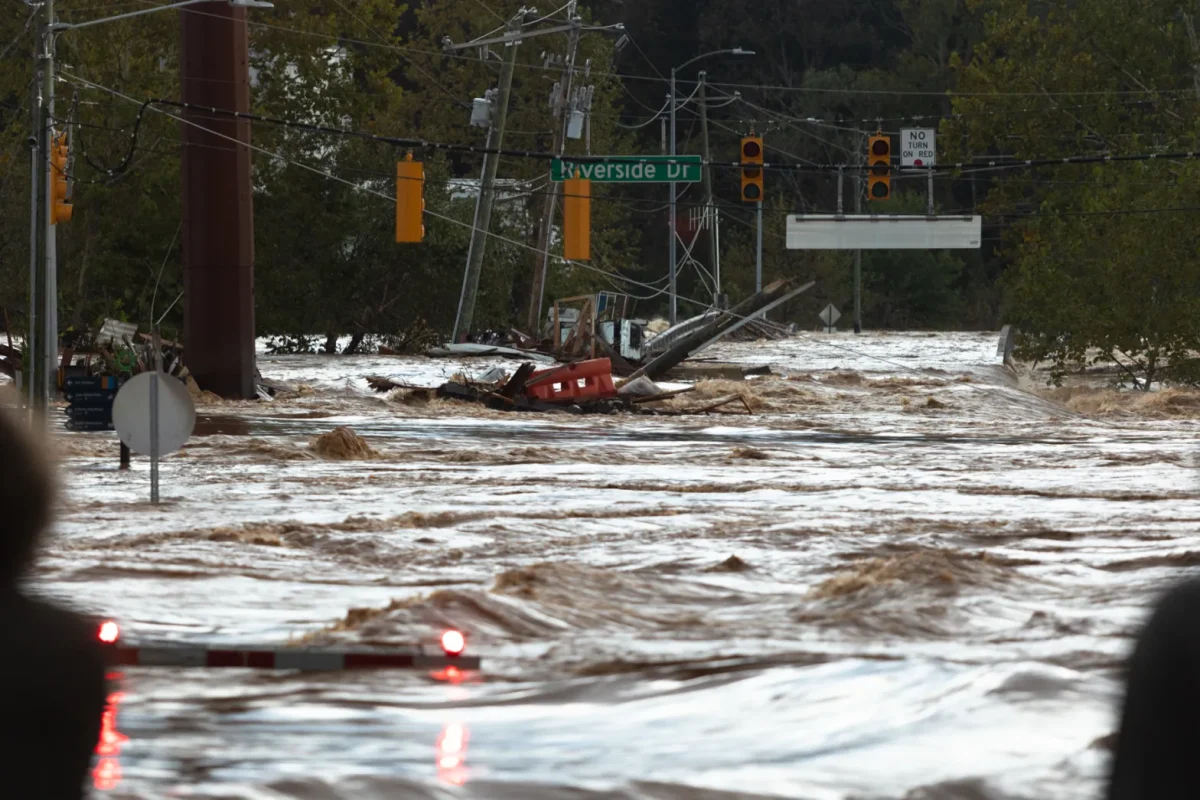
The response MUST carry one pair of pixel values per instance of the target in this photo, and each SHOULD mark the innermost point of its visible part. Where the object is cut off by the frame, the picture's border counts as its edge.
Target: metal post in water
(154, 437)
(154, 378)
(858, 192)
(31, 364)
(758, 250)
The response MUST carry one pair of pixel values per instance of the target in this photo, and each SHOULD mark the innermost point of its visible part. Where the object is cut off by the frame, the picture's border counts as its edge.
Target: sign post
(154, 415)
(829, 315)
(91, 402)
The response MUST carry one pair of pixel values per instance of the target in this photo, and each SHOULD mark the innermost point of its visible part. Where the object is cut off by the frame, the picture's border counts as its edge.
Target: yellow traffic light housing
(879, 168)
(752, 169)
(60, 207)
(577, 219)
(410, 200)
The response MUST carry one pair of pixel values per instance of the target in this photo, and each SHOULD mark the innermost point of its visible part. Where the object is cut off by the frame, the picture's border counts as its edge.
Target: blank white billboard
(900, 232)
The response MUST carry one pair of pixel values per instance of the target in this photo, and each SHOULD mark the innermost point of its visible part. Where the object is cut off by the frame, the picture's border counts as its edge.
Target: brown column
(218, 209)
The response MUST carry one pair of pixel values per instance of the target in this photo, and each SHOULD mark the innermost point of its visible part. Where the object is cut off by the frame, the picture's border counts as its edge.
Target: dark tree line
(997, 78)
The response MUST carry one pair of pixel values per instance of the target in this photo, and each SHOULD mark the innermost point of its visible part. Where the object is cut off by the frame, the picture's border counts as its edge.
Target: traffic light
(879, 168)
(752, 170)
(577, 219)
(60, 206)
(410, 200)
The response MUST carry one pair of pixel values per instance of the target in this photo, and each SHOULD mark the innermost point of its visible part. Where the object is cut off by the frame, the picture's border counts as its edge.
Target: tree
(1099, 274)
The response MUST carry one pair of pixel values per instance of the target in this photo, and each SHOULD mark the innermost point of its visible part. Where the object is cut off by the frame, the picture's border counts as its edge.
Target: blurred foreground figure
(1156, 746)
(52, 685)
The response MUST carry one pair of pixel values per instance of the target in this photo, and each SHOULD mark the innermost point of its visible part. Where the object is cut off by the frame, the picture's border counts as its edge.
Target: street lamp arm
(70, 26)
(736, 51)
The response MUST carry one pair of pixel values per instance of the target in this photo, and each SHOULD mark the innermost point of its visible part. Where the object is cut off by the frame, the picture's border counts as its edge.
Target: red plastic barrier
(585, 380)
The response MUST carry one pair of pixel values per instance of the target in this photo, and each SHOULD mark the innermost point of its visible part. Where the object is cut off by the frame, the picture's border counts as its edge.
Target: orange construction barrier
(585, 380)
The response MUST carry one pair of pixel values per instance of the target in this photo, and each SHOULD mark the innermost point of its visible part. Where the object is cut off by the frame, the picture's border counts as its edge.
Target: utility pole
(758, 236)
(858, 258)
(217, 201)
(673, 288)
(49, 344)
(560, 102)
(710, 214)
(479, 235)
(37, 402)
(490, 95)
(673, 100)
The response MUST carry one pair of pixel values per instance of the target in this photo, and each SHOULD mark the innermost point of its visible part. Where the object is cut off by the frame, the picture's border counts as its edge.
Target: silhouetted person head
(26, 498)
(51, 663)
(1155, 752)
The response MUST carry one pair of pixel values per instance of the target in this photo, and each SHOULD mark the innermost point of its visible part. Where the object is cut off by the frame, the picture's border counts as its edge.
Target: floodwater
(902, 576)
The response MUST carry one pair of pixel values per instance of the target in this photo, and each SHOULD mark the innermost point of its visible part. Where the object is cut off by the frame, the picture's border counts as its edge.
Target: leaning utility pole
(710, 211)
(514, 35)
(560, 101)
(483, 212)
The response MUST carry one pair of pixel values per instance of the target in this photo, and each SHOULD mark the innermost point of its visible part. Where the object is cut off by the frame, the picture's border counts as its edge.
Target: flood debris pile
(585, 387)
(602, 326)
(597, 351)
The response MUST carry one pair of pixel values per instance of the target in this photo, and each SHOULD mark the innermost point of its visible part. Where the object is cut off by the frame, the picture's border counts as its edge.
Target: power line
(423, 144)
(877, 120)
(24, 30)
(657, 116)
(744, 86)
(511, 242)
(628, 203)
(946, 94)
(488, 9)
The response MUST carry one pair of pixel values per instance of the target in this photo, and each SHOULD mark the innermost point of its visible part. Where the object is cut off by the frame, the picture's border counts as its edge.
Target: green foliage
(1100, 274)
(825, 75)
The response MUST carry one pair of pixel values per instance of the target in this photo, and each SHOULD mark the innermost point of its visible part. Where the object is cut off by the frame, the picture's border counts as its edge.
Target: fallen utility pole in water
(719, 325)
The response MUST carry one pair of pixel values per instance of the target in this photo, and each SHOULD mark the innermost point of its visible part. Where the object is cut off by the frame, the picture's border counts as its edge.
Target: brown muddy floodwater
(903, 576)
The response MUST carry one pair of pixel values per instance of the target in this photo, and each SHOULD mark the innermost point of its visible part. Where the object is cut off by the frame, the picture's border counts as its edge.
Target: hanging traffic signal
(752, 169)
(879, 168)
(410, 200)
(577, 219)
(60, 206)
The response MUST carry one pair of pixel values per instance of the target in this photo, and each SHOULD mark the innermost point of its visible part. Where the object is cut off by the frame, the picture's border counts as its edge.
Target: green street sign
(630, 169)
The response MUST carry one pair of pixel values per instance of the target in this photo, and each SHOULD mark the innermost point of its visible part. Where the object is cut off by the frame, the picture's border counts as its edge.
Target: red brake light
(109, 632)
(453, 643)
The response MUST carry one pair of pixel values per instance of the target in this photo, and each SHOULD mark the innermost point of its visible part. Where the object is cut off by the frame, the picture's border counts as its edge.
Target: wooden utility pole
(487, 189)
(562, 104)
(218, 207)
